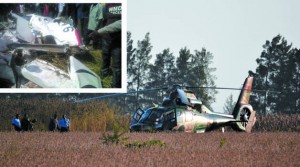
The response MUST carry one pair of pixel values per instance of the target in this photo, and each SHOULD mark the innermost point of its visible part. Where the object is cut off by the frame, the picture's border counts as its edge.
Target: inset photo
(62, 47)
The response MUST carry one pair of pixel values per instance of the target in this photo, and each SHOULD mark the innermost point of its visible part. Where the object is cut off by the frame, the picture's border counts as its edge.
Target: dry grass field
(181, 149)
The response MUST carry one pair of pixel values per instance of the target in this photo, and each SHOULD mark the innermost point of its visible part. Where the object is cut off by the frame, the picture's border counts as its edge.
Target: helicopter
(183, 111)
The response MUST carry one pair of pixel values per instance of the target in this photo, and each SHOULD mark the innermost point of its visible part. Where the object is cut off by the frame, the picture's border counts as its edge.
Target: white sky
(232, 30)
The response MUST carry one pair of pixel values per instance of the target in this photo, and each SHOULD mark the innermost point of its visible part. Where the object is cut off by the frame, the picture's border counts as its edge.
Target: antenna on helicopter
(251, 73)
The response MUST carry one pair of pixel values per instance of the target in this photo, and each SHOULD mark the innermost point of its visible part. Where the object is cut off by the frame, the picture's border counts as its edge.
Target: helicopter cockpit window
(145, 115)
(154, 116)
(138, 114)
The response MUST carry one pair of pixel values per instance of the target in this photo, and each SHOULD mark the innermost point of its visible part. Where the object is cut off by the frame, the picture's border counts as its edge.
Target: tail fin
(244, 96)
(243, 111)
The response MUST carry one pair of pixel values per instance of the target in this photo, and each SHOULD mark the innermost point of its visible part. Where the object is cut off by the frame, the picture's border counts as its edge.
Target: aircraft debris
(29, 34)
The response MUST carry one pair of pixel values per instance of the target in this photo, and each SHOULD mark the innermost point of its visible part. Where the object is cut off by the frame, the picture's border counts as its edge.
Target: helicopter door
(137, 115)
(169, 120)
(189, 124)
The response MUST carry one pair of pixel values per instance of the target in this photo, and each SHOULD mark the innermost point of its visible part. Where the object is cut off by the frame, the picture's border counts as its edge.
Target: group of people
(63, 125)
(26, 124)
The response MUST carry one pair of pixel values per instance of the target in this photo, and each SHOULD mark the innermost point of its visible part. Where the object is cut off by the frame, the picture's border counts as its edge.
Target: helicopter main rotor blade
(254, 90)
(115, 95)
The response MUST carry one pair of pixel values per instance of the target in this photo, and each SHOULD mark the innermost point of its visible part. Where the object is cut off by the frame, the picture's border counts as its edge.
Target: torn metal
(32, 34)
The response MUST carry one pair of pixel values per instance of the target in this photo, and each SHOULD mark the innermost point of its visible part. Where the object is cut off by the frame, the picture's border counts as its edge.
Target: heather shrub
(148, 143)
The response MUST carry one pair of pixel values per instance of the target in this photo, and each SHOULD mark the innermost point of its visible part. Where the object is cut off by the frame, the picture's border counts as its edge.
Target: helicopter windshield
(145, 115)
(151, 115)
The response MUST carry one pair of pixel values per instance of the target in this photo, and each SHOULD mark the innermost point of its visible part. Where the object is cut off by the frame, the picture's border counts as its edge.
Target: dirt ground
(181, 149)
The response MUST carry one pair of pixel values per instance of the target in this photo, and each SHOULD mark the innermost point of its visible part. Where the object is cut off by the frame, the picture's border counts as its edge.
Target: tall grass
(102, 116)
(91, 116)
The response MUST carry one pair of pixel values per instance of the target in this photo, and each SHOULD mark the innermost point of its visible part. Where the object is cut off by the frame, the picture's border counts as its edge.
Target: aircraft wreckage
(21, 68)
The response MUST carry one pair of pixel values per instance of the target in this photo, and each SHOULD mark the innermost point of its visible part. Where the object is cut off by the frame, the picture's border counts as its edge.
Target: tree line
(277, 74)
(189, 68)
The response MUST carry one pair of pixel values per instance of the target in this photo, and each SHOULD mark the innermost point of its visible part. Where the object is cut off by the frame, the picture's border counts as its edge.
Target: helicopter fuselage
(179, 118)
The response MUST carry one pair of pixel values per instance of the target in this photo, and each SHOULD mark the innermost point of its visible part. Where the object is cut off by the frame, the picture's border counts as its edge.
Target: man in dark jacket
(26, 123)
(53, 125)
(111, 42)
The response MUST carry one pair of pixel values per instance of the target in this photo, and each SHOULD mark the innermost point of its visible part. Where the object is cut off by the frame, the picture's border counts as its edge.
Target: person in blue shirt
(16, 123)
(64, 124)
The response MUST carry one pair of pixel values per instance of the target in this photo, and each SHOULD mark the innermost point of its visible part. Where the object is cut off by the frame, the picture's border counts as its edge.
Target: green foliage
(223, 142)
(278, 70)
(148, 143)
(202, 75)
(131, 66)
(114, 138)
(139, 64)
(181, 129)
(229, 105)
(163, 71)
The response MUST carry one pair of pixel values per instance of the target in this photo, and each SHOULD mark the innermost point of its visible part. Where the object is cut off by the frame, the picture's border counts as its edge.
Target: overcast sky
(232, 30)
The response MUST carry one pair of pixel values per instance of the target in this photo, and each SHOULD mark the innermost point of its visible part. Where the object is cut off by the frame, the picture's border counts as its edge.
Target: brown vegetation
(101, 117)
(278, 122)
(92, 116)
(181, 149)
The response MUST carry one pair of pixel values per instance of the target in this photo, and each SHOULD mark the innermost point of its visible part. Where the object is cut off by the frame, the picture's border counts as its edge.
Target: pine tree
(142, 62)
(162, 72)
(201, 75)
(277, 71)
(183, 63)
(229, 105)
(131, 63)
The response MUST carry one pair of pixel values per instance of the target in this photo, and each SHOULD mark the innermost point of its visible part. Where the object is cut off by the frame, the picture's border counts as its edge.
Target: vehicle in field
(182, 111)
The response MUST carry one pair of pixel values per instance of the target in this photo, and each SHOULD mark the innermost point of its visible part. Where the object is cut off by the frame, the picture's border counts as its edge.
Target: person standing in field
(64, 124)
(26, 123)
(16, 123)
(53, 125)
